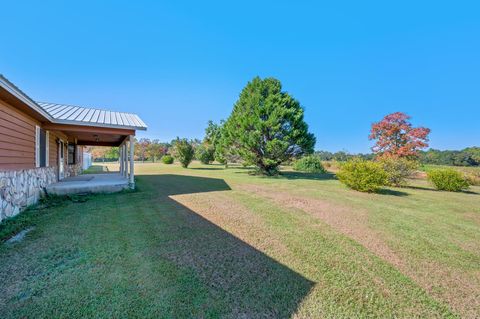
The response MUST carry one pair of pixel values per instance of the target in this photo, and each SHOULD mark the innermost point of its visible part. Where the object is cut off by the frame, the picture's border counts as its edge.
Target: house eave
(22, 97)
(137, 128)
(38, 112)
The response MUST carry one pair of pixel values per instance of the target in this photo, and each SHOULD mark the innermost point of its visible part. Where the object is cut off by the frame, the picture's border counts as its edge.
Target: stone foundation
(73, 170)
(19, 189)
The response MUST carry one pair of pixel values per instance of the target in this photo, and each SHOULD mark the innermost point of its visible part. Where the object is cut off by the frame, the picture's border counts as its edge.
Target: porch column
(132, 164)
(120, 158)
(125, 160)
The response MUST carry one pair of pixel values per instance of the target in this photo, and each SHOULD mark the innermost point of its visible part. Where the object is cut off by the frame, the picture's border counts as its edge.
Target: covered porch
(80, 126)
(80, 135)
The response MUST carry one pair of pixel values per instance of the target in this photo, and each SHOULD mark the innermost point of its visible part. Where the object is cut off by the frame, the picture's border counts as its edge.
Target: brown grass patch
(460, 289)
(231, 215)
(474, 217)
(343, 219)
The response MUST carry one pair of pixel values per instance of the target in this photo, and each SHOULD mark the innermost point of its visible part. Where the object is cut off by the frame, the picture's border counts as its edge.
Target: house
(42, 143)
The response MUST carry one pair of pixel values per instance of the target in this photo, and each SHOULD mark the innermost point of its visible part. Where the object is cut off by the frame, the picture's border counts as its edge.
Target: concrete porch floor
(89, 183)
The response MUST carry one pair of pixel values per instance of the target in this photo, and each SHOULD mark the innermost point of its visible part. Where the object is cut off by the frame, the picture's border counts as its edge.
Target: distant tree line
(342, 156)
(467, 157)
(211, 149)
(146, 150)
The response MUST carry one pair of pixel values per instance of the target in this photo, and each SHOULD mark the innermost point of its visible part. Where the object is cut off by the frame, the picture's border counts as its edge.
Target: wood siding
(52, 149)
(53, 145)
(17, 139)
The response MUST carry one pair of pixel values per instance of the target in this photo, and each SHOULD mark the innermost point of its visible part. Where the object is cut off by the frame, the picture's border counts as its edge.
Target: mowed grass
(96, 169)
(208, 242)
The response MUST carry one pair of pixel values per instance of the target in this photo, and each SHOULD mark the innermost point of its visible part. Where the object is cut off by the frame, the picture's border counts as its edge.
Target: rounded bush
(398, 170)
(362, 175)
(447, 180)
(309, 164)
(167, 159)
(205, 154)
(183, 151)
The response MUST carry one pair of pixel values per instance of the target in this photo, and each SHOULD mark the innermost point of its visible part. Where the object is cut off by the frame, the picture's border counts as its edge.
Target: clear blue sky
(179, 64)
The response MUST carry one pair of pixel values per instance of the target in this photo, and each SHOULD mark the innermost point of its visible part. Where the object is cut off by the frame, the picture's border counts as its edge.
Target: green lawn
(96, 169)
(208, 242)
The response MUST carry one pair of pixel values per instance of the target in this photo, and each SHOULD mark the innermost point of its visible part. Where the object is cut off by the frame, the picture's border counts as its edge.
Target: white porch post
(125, 160)
(120, 158)
(132, 151)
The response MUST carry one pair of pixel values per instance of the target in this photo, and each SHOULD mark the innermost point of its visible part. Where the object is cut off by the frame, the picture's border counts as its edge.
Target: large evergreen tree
(266, 126)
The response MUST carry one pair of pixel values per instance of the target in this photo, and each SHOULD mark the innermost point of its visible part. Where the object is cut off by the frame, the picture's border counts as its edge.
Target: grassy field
(465, 169)
(208, 242)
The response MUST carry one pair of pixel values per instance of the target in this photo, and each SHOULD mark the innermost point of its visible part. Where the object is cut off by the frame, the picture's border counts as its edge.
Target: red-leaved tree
(395, 137)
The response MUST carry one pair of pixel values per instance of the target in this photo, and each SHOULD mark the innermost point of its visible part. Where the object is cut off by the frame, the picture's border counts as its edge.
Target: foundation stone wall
(19, 189)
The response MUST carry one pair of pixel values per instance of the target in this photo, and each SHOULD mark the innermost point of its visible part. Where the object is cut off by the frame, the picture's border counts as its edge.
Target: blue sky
(179, 64)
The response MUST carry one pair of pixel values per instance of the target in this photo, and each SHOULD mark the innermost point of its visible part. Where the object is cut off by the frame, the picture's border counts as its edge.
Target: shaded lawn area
(220, 243)
(97, 169)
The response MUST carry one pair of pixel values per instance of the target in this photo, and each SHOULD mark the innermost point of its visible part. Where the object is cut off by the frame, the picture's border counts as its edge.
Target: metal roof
(78, 115)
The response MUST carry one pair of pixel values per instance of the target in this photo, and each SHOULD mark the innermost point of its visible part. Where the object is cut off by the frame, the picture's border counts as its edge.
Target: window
(41, 147)
(72, 154)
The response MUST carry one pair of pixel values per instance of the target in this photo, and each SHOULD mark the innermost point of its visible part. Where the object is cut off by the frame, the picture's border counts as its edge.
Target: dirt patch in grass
(342, 219)
(474, 217)
(220, 209)
(460, 289)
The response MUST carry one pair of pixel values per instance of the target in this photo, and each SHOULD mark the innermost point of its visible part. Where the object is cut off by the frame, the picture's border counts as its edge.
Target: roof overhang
(16, 97)
(98, 125)
(19, 99)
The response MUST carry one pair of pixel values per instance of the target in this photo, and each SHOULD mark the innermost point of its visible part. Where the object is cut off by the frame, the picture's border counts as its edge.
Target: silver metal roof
(78, 115)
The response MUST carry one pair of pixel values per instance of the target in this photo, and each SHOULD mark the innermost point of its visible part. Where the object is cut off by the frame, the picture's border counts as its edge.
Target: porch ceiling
(91, 135)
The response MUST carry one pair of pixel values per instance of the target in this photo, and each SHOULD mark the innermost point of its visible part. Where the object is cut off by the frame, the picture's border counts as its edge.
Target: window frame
(41, 150)
(73, 154)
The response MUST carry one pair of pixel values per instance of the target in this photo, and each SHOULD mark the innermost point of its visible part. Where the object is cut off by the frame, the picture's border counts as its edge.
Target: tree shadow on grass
(292, 175)
(435, 190)
(143, 254)
(240, 281)
(207, 168)
(312, 176)
(392, 192)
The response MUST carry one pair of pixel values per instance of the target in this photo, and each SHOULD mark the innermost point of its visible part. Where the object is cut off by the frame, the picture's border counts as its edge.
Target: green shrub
(362, 175)
(205, 154)
(309, 164)
(447, 180)
(167, 159)
(398, 170)
(183, 151)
